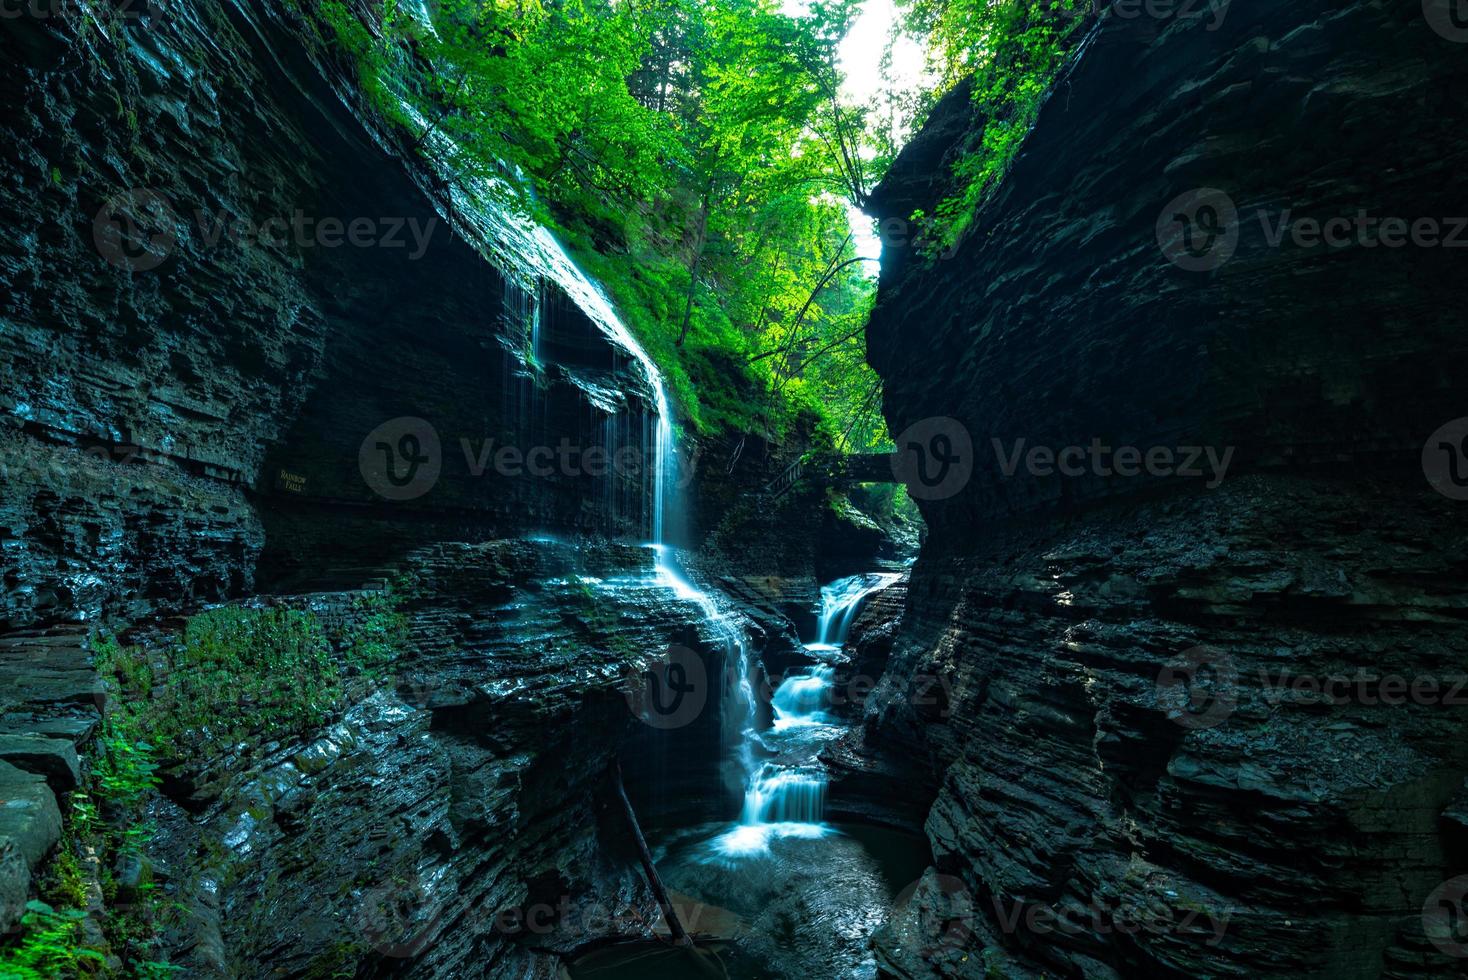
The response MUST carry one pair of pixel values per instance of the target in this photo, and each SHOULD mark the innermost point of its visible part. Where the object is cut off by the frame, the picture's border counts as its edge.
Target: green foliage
(52, 941)
(266, 673)
(695, 155)
(1013, 49)
(376, 631)
(124, 766)
(234, 673)
(237, 674)
(50, 946)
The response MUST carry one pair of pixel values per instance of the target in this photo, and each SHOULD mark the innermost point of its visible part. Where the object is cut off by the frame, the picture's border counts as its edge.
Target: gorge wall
(197, 346)
(209, 395)
(1127, 780)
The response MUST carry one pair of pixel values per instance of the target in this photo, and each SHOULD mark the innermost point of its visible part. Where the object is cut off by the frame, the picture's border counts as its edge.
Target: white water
(841, 601)
(780, 800)
(802, 698)
(785, 798)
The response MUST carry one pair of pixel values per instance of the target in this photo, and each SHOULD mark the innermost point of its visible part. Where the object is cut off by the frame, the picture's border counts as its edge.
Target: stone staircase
(51, 701)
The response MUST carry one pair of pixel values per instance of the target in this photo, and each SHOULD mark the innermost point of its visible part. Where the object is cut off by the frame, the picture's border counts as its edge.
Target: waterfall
(785, 796)
(840, 602)
(802, 698)
(782, 800)
(788, 799)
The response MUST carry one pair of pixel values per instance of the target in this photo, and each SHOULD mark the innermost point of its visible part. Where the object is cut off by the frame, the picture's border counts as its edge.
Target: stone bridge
(834, 469)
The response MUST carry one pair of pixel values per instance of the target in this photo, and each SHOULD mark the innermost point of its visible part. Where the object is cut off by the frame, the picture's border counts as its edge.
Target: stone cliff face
(221, 278)
(454, 821)
(201, 368)
(1136, 772)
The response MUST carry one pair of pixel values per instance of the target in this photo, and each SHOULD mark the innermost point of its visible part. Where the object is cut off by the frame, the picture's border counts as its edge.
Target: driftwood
(680, 937)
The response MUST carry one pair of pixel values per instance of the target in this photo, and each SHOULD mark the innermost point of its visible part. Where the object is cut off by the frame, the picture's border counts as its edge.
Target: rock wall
(222, 276)
(198, 381)
(1136, 771)
(458, 818)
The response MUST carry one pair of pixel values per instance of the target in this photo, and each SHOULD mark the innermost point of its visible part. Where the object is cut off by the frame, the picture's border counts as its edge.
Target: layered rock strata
(1136, 770)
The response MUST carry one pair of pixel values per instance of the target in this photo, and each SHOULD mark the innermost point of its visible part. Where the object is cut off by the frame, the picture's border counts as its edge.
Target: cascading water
(786, 797)
(785, 789)
(840, 602)
(801, 699)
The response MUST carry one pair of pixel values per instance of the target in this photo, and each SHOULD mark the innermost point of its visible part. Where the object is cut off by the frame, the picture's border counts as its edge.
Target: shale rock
(1132, 778)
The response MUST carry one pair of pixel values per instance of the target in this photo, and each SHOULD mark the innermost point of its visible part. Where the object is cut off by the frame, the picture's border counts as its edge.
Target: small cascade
(781, 799)
(785, 798)
(801, 699)
(840, 602)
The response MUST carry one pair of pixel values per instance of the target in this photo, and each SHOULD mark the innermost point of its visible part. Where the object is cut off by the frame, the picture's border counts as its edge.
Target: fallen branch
(680, 938)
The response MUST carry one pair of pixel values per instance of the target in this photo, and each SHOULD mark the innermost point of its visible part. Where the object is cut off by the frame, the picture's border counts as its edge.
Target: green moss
(238, 674)
(376, 631)
(1013, 51)
(233, 673)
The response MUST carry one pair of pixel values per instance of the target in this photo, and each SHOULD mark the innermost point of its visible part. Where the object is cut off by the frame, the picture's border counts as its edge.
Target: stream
(775, 890)
(780, 891)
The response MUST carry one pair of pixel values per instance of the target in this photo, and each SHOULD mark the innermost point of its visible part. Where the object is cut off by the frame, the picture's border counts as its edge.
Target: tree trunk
(675, 927)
